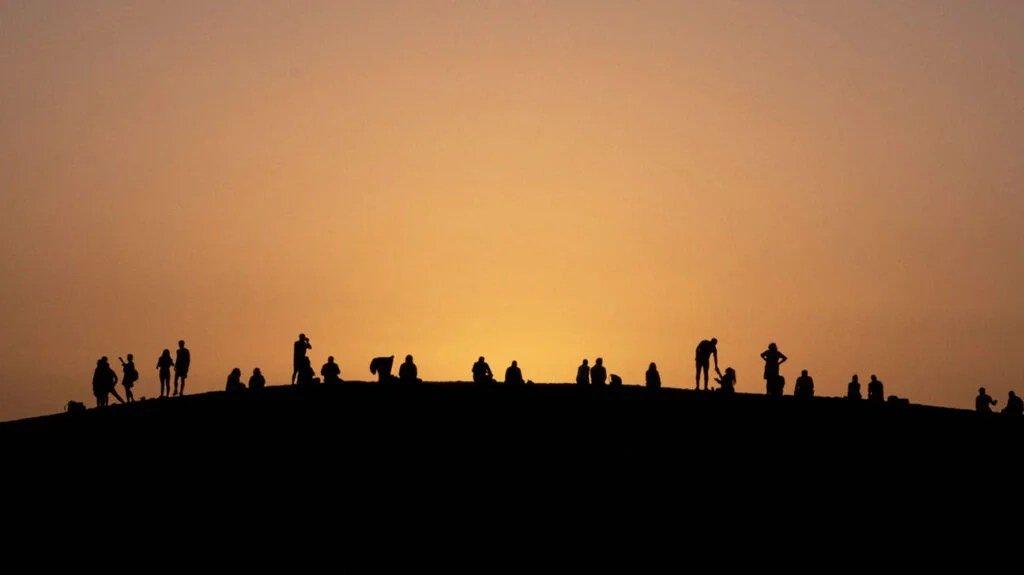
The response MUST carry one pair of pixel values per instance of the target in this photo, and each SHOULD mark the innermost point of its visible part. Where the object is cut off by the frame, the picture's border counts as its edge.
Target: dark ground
(368, 453)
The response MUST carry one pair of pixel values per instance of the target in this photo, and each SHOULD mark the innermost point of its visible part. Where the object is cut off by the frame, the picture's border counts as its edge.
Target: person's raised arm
(764, 355)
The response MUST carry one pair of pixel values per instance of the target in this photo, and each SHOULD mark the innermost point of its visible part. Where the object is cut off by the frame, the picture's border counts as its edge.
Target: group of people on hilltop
(105, 379)
(984, 402)
(597, 375)
(482, 373)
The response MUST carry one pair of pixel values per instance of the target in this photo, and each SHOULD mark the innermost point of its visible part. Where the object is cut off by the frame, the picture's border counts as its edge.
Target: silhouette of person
(853, 388)
(653, 378)
(381, 367)
(1014, 405)
(773, 358)
(407, 372)
(876, 391)
(164, 364)
(299, 349)
(727, 382)
(330, 371)
(583, 373)
(106, 377)
(234, 384)
(614, 380)
(514, 375)
(804, 386)
(256, 380)
(482, 372)
(306, 374)
(129, 376)
(984, 402)
(705, 351)
(181, 365)
(598, 374)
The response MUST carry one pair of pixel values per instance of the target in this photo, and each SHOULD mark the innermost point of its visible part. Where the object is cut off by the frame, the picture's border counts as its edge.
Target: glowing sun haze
(540, 181)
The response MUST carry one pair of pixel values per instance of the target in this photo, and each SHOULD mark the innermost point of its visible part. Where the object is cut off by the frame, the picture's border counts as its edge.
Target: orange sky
(540, 181)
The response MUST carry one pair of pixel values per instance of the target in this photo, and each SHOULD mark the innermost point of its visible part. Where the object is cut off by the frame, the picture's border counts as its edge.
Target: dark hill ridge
(403, 447)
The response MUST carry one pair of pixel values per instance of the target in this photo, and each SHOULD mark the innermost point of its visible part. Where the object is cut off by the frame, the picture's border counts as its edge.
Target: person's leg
(181, 390)
(705, 367)
(696, 381)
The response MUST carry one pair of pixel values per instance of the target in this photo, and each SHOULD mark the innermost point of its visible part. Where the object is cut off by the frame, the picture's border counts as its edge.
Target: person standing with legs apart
(706, 349)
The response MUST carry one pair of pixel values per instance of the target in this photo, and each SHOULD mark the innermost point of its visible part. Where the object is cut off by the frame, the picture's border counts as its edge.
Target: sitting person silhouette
(330, 371)
(615, 381)
(984, 402)
(234, 384)
(598, 374)
(583, 373)
(727, 383)
(804, 387)
(514, 375)
(853, 388)
(306, 374)
(1014, 405)
(256, 380)
(129, 377)
(381, 367)
(482, 372)
(876, 391)
(653, 378)
(407, 372)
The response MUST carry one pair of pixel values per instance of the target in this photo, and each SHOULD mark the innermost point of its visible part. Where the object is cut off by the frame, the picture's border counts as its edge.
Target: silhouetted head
(1012, 394)
(166, 353)
(516, 363)
(236, 372)
(104, 359)
(981, 391)
(181, 344)
(330, 359)
(873, 378)
(599, 361)
(481, 359)
(804, 372)
(131, 357)
(730, 371)
(854, 378)
(256, 371)
(408, 359)
(302, 337)
(585, 362)
(653, 367)
(714, 340)
(773, 347)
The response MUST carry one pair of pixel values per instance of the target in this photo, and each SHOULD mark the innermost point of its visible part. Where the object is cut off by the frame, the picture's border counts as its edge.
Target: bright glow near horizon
(540, 181)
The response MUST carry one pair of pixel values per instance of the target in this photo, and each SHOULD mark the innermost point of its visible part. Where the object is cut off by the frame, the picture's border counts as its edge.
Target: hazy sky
(540, 181)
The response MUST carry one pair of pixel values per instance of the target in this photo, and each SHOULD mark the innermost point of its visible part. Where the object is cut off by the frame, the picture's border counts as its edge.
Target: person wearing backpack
(131, 375)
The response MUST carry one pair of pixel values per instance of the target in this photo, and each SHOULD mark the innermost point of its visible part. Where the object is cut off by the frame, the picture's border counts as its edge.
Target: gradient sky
(540, 181)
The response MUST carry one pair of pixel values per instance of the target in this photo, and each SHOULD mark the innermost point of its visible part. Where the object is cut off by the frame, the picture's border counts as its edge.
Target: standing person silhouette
(256, 380)
(598, 374)
(653, 378)
(482, 372)
(164, 364)
(514, 375)
(129, 377)
(876, 391)
(984, 402)
(773, 358)
(583, 373)
(110, 379)
(182, 361)
(299, 349)
(1014, 405)
(706, 349)
(853, 388)
(99, 383)
(330, 371)
(407, 372)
